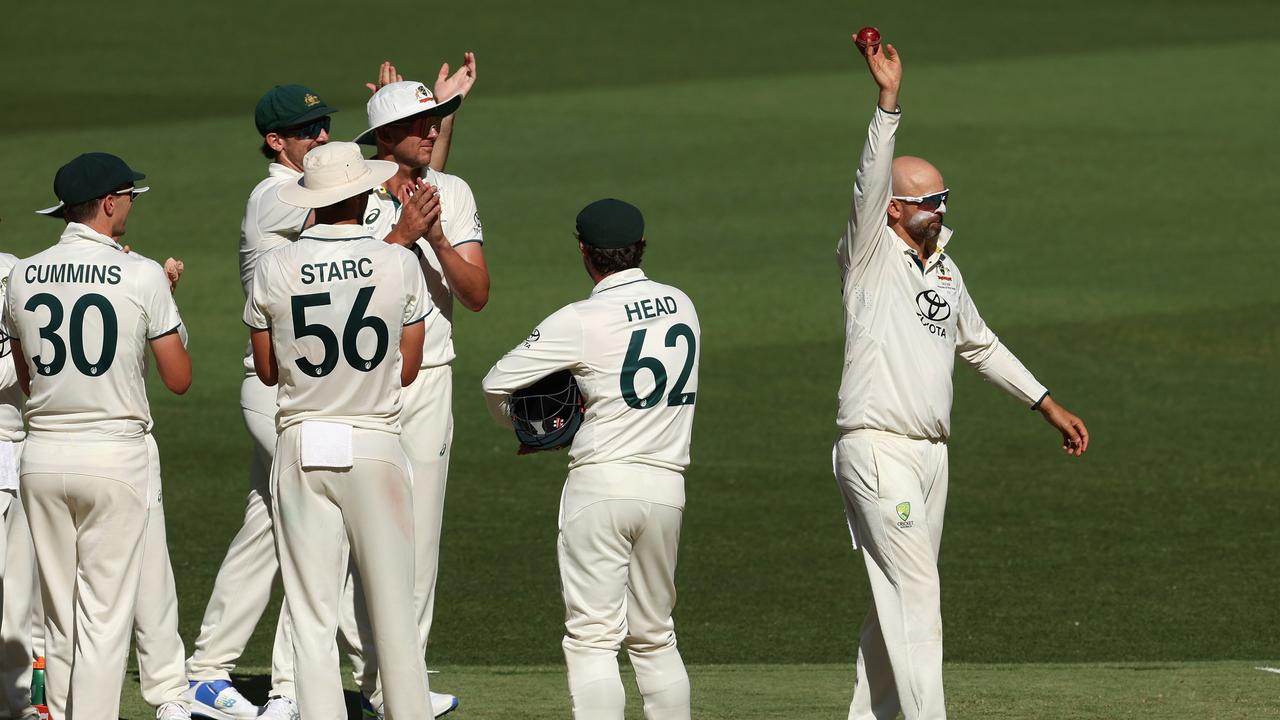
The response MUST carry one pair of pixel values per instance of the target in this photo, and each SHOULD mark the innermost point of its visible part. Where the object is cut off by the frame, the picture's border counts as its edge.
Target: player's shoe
(219, 700)
(280, 708)
(172, 711)
(441, 704)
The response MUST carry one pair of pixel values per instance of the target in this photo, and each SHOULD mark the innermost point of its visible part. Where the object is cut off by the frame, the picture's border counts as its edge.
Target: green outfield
(1113, 185)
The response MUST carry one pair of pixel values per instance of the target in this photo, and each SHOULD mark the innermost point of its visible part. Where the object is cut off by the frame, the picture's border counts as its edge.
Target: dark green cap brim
(610, 223)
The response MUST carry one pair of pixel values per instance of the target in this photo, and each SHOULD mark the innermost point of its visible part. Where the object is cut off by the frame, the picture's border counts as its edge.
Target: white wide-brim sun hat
(400, 100)
(334, 172)
(56, 210)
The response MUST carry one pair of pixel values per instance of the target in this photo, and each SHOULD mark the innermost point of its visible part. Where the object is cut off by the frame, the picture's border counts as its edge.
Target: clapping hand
(460, 83)
(386, 75)
(420, 216)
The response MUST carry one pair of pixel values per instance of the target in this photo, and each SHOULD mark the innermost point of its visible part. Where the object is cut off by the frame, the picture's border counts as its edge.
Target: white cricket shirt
(633, 347)
(336, 301)
(85, 311)
(461, 224)
(905, 321)
(267, 225)
(11, 397)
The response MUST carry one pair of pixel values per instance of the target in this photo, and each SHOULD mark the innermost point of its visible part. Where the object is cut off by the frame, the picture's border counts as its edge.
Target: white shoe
(280, 708)
(172, 711)
(442, 704)
(219, 700)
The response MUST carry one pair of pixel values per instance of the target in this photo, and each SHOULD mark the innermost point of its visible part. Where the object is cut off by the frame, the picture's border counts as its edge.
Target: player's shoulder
(7, 262)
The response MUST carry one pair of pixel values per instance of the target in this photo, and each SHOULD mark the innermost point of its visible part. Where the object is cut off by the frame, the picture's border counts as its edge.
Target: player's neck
(100, 225)
(404, 177)
(282, 159)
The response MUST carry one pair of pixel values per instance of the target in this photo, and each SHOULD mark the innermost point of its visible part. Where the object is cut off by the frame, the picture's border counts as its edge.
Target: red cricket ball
(867, 36)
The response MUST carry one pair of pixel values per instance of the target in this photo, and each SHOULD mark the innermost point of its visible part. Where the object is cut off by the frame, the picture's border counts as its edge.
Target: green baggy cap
(287, 106)
(610, 223)
(92, 175)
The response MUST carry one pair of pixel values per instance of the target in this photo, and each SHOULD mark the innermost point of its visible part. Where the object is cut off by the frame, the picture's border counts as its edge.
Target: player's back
(84, 312)
(336, 302)
(640, 347)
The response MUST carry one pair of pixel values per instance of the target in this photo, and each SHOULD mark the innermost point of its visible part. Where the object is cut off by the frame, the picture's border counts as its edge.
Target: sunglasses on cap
(928, 203)
(310, 130)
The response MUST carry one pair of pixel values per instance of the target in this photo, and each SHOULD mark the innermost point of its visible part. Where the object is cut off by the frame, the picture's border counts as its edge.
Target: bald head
(915, 177)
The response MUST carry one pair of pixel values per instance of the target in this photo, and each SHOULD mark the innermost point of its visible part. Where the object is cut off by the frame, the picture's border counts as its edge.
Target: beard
(923, 227)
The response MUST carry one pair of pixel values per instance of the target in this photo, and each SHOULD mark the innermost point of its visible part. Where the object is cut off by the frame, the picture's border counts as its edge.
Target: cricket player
(82, 315)
(632, 347)
(337, 319)
(404, 122)
(907, 315)
(17, 556)
(292, 120)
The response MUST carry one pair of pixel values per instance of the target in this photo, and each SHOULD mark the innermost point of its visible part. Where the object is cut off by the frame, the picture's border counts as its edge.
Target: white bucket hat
(400, 100)
(334, 172)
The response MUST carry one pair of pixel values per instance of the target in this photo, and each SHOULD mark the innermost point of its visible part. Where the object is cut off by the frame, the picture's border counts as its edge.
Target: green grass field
(1112, 174)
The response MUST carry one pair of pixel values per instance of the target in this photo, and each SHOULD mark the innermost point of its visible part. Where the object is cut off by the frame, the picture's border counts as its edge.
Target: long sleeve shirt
(906, 319)
(633, 350)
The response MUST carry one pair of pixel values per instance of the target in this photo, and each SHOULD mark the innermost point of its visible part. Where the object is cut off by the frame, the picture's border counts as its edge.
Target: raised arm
(873, 184)
(979, 346)
(556, 344)
(460, 83)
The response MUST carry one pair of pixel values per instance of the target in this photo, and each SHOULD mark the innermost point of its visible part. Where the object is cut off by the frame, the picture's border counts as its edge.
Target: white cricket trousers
(371, 506)
(426, 422)
(21, 598)
(242, 588)
(895, 494)
(617, 573)
(86, 503)
(162, 674)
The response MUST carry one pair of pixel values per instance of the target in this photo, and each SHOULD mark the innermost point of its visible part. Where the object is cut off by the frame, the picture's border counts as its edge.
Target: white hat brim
(444, 109)
(298, 195)
(56, 210)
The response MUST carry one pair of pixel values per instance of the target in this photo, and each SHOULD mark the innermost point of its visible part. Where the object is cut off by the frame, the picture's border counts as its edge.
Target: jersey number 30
(49, 334)
(356, 322)
(635, 362)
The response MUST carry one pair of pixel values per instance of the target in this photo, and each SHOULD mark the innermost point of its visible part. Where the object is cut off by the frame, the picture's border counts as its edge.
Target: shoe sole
(199, 709)
(452, 707)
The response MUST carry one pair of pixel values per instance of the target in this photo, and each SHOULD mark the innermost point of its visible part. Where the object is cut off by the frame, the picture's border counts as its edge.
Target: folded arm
(556, 344)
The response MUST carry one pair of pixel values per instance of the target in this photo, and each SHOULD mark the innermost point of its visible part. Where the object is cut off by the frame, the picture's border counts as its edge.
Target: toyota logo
(932, 306)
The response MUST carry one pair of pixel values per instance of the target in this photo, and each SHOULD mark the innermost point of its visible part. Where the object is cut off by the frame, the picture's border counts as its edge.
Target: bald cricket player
(83, 315)
(632, 347)
(907, 315)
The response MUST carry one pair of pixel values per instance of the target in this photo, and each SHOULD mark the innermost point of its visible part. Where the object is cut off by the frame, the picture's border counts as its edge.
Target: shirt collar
(335, 232)
(619, 278)
(79, 231)
(280, 170)
(943, 238)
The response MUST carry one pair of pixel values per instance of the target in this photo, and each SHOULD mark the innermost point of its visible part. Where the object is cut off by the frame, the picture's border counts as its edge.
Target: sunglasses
(410, 124)
(131, 192)
(310, 130)
(928, 203)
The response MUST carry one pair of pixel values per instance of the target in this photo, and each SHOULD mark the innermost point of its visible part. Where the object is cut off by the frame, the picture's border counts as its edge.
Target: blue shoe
(219, 700)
